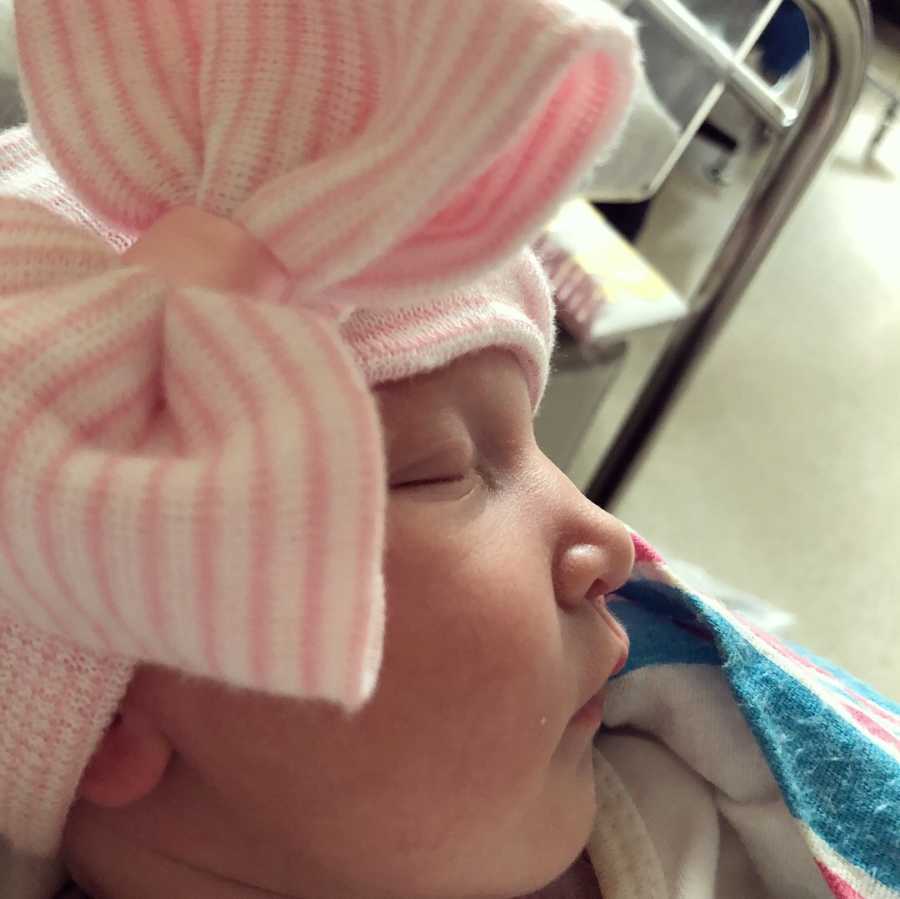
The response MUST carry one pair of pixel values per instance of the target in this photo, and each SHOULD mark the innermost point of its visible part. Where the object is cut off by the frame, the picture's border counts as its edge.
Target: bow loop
(163, 449)
(378, 149)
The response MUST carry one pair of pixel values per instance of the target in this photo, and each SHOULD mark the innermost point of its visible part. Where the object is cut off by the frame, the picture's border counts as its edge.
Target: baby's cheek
(482, 646)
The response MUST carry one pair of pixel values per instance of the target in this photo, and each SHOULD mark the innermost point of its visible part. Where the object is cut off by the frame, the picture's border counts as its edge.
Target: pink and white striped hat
(224, 223)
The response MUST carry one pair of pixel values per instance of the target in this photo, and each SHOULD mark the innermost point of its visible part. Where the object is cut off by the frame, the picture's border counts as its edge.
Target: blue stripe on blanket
(660, 632)
(857, 686)
(842, 784)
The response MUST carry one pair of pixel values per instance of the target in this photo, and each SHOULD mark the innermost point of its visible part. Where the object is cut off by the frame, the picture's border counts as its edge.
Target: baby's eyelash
(428, 482)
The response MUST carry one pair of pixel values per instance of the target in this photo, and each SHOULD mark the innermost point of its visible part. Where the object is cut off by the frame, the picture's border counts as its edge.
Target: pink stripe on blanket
(838, 886)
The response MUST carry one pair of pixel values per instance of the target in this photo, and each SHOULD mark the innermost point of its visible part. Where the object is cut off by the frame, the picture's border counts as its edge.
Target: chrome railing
(841, 32)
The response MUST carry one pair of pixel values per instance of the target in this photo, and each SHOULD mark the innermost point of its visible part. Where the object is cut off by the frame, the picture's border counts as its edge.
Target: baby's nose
(587, 570)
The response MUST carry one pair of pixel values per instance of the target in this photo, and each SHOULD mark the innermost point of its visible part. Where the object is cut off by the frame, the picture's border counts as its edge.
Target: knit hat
(223, 223)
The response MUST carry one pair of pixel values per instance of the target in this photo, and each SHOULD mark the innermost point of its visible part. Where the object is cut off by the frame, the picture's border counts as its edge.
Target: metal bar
(702, 113)
(752, 89)
(890, 115)
(884, 89)
(841, 32)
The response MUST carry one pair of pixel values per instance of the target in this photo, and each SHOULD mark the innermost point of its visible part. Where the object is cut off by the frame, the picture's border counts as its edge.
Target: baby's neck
(578, 882)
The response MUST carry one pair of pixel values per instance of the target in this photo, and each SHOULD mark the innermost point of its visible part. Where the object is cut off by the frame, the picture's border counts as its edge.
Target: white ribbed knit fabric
(177, 461)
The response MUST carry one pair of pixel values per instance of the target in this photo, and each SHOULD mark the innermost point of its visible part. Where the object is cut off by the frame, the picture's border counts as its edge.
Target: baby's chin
(568, 824)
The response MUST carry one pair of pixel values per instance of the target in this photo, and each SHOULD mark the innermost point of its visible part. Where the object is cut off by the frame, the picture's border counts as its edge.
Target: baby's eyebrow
(503, 425)
(420, 449)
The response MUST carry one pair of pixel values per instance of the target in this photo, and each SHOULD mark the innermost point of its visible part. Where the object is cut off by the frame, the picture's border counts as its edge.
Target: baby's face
(465, 775)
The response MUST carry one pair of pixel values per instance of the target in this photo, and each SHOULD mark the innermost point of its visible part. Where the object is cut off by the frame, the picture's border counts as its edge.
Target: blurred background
(773, 475)
(728, 281)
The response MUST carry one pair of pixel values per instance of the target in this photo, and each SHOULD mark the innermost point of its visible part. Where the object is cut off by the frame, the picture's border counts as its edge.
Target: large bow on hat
(191, 469)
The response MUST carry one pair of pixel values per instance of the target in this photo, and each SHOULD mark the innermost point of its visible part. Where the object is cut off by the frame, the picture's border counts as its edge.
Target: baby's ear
(128, 764)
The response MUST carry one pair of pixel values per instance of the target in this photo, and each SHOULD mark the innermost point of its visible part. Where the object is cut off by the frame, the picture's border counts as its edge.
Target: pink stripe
(36, 344)
(300, 220)
(48, 493)
(492, 240)
(872, 727)
(210, 88)
(97, 518)
(261, 473)
(838, 886)
(427, 341)
(433, 125)
(170, 172)
(184, 385)
(558, 167)
(66, 159)
(151, 513)
(35, 218)
(288, 72)
(534, 302)
(423, 342)
(788, 653)
(827, 676)
(565, 285)
(55, 257)
(877, 710)
(260, 597)
(369, 594)
(483, 206)
(14, 308)
(414, 318)
(237, 119)
(582, 298)
(163, 75)
(315, 482)
(493, 224)
(325, 96)
(44, 399)
(369, 65)
(369, 516)
(181, 13)
(207, 521)
(491, 231)
(479, 203)
(152, 549)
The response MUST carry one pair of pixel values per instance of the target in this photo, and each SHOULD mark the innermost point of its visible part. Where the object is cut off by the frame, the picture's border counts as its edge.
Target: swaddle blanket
(734, 764)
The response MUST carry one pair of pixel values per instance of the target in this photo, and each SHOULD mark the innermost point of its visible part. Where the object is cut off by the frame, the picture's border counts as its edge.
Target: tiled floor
(780, 470)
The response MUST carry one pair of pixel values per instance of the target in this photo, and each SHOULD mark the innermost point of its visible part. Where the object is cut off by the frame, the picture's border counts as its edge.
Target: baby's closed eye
(450, 471)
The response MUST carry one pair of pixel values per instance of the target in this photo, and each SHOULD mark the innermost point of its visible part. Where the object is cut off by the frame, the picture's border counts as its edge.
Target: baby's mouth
(599, 602)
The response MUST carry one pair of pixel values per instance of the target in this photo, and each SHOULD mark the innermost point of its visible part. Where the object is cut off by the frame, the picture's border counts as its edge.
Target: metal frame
(728, 64)
(889, 117)
(841, 38)
(722, 59)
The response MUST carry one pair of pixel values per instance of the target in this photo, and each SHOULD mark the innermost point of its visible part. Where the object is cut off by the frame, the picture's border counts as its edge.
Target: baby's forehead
(485, 372)
(491, 376)
(489, 387)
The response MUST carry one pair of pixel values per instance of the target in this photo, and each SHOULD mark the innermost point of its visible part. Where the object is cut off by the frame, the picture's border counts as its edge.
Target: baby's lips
(618, 631)
(622, 639)
(600, 603)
